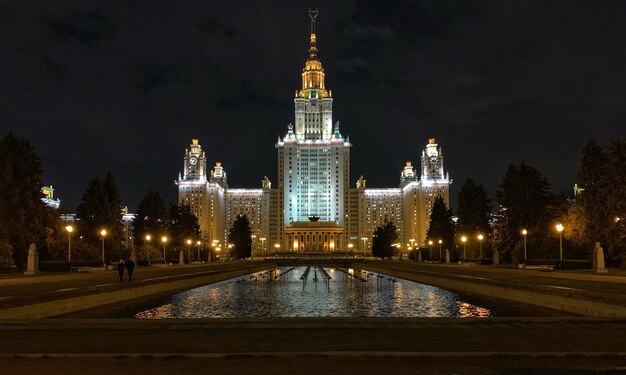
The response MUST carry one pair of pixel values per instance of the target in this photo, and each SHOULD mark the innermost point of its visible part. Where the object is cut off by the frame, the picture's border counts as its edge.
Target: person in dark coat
(120, 270)
(130, 267)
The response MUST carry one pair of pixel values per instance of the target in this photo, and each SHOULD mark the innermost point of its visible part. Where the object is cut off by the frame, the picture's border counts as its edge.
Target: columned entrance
(318, 236)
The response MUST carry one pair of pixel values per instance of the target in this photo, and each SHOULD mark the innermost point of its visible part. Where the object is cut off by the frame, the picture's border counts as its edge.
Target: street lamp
(189, 241)
(364, 239)
(430, 249)
(524, 233)
(276, 248)
(103, 233)
(164, 240)
(440, 242)
(480, 242)
(464, 239)
(253, 240)
(412, 240)
(198, 243)
(262, 247)
(69, 230)
(350, 246)
(559, 228)
(148, 238)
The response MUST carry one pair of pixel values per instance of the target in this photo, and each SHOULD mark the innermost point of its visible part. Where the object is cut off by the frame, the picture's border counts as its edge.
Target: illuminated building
(313, 208)
(48, 197)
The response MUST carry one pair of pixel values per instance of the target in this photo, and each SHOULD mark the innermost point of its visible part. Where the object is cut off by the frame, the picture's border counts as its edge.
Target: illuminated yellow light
(103, 232)
(463, 239)
(524, 232)
(560, 227)
(163, 239)
(69, 228)
(480, 237)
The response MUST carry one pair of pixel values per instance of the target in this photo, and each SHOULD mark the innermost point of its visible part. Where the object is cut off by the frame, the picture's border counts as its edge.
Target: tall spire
(313, 73)
(313, 12)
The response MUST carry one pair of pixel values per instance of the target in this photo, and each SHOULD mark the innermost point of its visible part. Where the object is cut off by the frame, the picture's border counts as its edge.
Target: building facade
(313, 208)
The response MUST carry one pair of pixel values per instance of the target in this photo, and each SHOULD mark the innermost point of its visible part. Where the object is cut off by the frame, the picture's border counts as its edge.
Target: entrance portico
(314, 236)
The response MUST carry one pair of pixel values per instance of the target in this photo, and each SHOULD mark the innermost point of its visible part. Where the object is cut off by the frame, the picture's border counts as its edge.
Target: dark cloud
(124, 86)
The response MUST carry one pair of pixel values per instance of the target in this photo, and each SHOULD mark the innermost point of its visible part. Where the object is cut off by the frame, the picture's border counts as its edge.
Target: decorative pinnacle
(313, 12)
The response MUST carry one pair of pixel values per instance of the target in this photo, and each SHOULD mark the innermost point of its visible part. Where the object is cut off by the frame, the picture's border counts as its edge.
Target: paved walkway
(601, 288)
(25, 290)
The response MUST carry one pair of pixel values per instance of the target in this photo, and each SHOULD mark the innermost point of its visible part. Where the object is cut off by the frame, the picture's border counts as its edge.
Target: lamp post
(164, 240)
(103, 233)
(412, 240)
(69, 230)
(480, 243)
(364, 239)
(464, 239)
(430, 249)
(276, 248)
(262, 247)
(559, 228)
(440, 242)
(198, 244)
(189, 241)
(524, 233)
(350, 246)
(148, 238)
(253, 241)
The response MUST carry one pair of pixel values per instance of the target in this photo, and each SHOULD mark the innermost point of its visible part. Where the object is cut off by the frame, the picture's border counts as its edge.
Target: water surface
(283, 292)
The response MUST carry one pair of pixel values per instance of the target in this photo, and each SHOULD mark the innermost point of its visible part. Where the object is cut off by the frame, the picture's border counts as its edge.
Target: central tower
(313, 164)
(313, 102)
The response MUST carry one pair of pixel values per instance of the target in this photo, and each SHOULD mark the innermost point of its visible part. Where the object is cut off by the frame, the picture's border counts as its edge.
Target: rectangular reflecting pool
(327, 292)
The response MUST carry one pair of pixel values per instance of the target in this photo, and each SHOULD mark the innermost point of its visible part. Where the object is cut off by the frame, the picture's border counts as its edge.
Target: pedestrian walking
(120, 270)
(130, 267)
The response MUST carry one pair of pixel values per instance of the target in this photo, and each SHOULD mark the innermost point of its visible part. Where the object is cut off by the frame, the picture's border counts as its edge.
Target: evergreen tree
(441, 226)
(613, 190)
(151, 217)
(240, 236)
(591, 203)
(22, 218)
(384, 236)
(183, 225)
(100, 207)
(525, 201)
(474, 211)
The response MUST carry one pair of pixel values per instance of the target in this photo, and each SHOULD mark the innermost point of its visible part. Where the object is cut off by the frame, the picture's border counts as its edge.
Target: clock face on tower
(193, 160)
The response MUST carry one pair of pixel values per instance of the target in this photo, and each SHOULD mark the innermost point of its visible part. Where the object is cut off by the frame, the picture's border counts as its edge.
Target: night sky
(123, 86)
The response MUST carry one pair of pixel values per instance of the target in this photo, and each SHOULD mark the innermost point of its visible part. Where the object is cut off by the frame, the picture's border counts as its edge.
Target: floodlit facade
(313, 208)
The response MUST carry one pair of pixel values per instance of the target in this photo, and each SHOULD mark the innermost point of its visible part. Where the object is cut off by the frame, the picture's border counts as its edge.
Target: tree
(474, 209)
(613, 189)
(22, 221)
(525, 201)
(151, 217)
(441, 226)
(183, 224)
(591, 205)
(240, 236)
(384, 236)
(100, 207)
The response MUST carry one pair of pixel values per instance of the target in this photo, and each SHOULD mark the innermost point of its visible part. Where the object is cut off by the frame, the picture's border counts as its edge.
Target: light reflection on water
(260, 295)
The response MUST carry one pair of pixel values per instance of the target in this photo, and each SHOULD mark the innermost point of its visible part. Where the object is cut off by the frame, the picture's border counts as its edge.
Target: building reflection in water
(359, 294)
